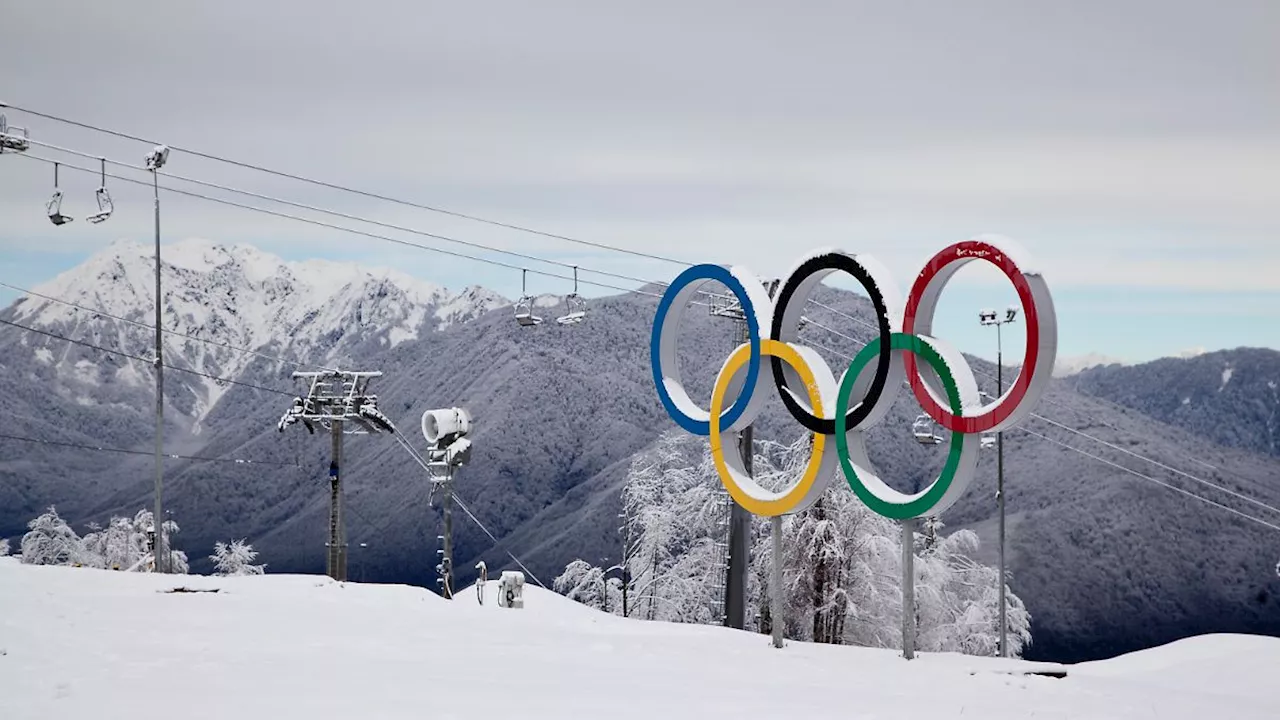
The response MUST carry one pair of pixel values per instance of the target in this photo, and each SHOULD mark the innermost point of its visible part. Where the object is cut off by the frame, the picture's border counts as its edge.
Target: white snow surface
(77, 642)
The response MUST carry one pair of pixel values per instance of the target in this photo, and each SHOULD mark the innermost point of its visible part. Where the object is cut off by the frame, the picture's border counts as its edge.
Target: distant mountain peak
(240, 296)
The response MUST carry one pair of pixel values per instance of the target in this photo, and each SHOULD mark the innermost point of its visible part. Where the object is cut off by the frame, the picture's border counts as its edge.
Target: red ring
(1000, 409)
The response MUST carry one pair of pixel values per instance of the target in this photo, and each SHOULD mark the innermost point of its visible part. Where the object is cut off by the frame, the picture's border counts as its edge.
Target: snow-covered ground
(77, 642)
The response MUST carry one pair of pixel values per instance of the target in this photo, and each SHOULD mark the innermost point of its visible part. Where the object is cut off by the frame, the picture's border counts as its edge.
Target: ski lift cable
(1096, 439)
(138, 323)
(354, 191)
(1117, 448)
(142, 359)
(354, 231)
(148, 453)
(340, 214)
(1151, 479)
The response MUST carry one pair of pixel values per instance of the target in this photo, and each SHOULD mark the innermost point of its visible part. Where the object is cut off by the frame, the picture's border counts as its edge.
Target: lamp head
(158, 156)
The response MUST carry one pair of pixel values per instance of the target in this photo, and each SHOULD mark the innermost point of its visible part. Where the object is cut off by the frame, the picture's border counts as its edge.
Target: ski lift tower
(339, 401)
(446, 429)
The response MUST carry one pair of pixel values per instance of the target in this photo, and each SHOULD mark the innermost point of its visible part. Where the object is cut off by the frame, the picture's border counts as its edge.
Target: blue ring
(693, 274)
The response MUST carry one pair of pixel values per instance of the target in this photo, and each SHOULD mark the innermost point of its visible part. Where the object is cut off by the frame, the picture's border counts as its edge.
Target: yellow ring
(792, 498)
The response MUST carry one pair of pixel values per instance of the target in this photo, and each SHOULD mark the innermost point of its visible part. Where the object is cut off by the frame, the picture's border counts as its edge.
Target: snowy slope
(90, 643)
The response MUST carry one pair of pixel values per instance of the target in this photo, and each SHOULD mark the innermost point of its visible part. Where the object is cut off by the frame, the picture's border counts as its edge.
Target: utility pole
(334, 399)
(988, 317)
(154, 161)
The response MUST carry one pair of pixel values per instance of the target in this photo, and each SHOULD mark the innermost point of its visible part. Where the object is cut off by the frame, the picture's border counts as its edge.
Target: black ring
(850, 266)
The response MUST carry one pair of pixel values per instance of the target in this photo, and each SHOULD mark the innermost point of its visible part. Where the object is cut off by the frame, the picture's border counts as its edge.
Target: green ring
(921, 505)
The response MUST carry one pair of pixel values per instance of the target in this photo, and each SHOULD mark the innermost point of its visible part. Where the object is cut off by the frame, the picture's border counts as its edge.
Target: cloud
(722, 131)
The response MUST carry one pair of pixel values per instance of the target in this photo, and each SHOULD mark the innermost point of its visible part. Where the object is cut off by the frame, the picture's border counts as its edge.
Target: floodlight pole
(1004, 617)
(989, 317)
(162, 546)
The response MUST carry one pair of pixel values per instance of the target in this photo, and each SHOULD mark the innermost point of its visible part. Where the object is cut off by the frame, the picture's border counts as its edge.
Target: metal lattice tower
(339, 401)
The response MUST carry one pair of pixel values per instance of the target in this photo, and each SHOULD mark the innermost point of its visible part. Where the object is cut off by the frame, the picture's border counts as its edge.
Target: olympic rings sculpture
(944, 386)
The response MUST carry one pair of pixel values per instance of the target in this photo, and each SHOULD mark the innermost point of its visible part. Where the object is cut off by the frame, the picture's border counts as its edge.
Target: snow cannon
(446, 424)
(511, 589)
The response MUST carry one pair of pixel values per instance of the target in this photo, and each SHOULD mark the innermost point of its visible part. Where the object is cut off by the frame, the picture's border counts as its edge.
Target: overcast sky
(1133, 147)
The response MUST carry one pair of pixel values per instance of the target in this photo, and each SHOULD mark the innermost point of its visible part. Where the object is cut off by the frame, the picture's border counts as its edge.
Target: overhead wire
(176, 333)
(1117, 448)
(142, 359)
(1081, 433)
(148, 453)
(354, 191)
(340, 228)
(345, 216)
(1144, 476)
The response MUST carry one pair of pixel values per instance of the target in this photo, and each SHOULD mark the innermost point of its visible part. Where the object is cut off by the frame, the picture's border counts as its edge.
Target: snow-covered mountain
(315, 311)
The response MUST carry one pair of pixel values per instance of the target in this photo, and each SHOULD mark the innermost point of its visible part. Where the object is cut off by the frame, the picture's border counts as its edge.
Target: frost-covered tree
(122, 545)
(51, 541)
(957, 602)
(4, 547)
(842, 563)
(586, 583)
(235, 558)
(119, 546)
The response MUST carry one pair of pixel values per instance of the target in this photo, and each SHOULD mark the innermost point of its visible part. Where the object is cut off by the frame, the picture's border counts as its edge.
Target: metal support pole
(161, 553)
(337, 557)
(735, 588)
(1004, 618)
(908, 590)
(448, 535)
(775, 586)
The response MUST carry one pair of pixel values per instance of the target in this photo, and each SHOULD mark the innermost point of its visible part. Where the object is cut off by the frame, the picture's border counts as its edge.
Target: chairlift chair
(105, 206)
(524, 306)
(54, 207)
(575, 307)
(922, 429)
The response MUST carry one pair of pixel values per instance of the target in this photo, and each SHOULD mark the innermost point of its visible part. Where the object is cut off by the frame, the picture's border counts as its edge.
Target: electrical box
(511, 589)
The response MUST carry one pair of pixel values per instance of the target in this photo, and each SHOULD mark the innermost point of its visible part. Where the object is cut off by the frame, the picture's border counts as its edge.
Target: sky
(1132, 147)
